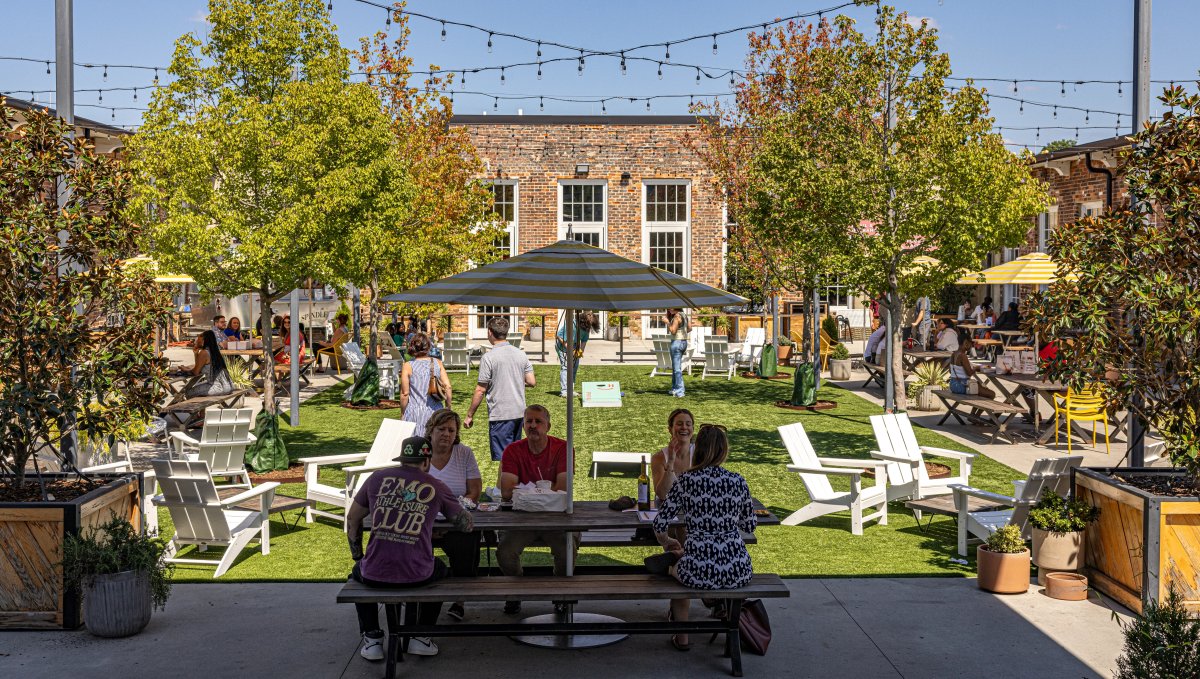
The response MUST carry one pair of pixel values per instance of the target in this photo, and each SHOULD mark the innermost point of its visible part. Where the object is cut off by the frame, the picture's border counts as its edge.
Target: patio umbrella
(1035, 268)
(146, 260)
(570, 275)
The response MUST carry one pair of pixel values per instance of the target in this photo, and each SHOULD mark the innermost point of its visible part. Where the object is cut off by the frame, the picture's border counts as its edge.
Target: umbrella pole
(568, 320)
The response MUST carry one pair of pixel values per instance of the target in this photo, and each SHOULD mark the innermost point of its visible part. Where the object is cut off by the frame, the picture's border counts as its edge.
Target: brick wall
(1074, 189)
(538, 152)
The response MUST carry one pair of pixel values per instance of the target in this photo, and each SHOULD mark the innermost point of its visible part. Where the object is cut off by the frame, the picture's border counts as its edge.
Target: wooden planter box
(1142, 544)
(32, 595)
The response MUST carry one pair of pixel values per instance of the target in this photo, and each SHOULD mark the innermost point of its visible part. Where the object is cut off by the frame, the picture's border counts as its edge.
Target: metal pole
(816, 335)
(64, 83)
(294, 391)
(1141, 115)
(568, 319)
(889, 385)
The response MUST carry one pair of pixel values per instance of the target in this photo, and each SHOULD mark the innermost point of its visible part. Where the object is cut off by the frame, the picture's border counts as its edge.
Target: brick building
(106, 138)
(629, 184)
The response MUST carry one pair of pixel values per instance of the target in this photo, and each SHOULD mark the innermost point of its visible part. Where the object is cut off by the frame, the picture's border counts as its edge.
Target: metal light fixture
(581, 168)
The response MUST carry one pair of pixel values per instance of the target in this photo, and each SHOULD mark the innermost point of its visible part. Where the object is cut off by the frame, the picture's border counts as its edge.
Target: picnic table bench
(878, 374)
(633, 587)
(189, 411)
(994, 415)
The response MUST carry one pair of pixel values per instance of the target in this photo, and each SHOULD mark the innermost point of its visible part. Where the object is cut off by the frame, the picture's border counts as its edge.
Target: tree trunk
(894, 309)
(372, 309)
(264, 299)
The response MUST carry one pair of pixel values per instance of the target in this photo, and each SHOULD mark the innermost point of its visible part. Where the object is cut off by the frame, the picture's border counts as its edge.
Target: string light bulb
(1022, 109)
(697, 75)
(495, 104)
(329, 6)
(541, 104)
(668, 57)
(660, 70)
(1014, 86)
(443, 31)
(501, 75)
(135, 94)
(114, 113)
(463, 81)
(1056, 112)
(539, 49)
(623, 71)
(489, 43)
(539, 70)
(1077, 134)
(714, 43)
(47, 68)
(101, 95)
(1119, 92)
(731, 83)
(603, 110)
(1038, 137)
(1087, 115)
(156, 77)
(647, 103)
(1062, 92)
(389, 17)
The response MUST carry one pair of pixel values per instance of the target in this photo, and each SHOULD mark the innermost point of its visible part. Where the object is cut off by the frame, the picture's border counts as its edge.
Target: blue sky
(1061, 40)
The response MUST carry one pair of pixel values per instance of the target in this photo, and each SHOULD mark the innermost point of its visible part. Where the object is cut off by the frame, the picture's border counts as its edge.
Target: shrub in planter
(1162, 644)
(839, 362)
(926, 377)
(830, 325)
(1003, 563)
(122, 573)
(1058, 526)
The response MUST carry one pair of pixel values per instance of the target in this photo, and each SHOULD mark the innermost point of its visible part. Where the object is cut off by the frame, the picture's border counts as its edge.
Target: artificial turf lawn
(821, 547)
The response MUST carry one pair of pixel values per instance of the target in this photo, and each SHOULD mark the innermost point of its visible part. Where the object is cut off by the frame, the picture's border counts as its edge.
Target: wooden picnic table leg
(733, 637)
(395, 650)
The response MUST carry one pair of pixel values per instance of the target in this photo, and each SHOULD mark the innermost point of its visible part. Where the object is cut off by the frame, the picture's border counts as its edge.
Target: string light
(539, 70)
(1039, 134)
(135, 94)
(1087, 116)
(495, 104)
(1062, 92)
(697, 76)
(660, 70)
(714, 43)
(539, 50)
(623, 71)
(101, 95)
(489, 43)
(47, 68)
(1056, 112)
(1014, 86)
(541, 104)
(501, 76)
(668, 57)
(1022, 109)
(647, 103)
(105, 76)
(443, 31)
(389, 16)
(329, 6)
(1119, 92)
(603, 111)
(156, 77)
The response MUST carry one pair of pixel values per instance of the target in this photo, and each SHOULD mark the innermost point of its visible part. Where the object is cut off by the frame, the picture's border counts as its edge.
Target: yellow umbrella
(160, 278)
(1035, 268)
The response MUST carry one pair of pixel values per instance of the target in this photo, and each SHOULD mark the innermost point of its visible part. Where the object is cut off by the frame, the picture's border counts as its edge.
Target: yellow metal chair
(1082, 406)
(334, 351)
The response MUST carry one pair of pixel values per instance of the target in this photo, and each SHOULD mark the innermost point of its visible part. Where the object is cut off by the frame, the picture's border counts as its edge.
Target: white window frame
(1047, 222)
(1092, 207)
(600, 227)
(684, 227)
(513, 228)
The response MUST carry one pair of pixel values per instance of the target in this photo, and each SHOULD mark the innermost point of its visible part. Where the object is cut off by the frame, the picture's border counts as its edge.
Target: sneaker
(457, 610)
(422, 646)
(372, 647)
(512, 607)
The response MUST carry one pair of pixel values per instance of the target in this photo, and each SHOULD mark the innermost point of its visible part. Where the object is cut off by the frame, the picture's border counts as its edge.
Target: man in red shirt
(402, 503)
(537, 457)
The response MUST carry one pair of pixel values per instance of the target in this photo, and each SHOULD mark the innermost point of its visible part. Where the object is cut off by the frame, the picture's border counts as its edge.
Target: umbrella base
(571, 641)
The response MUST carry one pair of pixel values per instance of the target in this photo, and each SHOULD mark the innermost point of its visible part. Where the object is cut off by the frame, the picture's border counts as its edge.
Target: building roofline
(1079, 150)
(80, 122)
(575, 120)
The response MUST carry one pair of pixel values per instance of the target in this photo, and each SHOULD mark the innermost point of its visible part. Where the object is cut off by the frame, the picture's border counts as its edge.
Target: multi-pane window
(504, 204)
(583, 203)
(667, 251)
(833, 293)
(590, 237)
(665, 221)
(667, 203)
(487, 313)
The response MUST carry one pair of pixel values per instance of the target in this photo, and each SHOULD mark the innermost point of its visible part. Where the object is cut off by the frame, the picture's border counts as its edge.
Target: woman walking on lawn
(716, 508)
(415, 378)
(677, 330)
(585, 324)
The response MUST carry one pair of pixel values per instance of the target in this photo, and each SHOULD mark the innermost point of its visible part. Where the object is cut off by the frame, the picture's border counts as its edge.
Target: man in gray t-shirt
(504, 372)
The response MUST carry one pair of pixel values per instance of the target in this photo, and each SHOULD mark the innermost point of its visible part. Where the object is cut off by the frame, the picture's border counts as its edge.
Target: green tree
(1125, 301)
(844, 191)
(1058, 145)
(429, 216)
(254, 161)
(77, 326)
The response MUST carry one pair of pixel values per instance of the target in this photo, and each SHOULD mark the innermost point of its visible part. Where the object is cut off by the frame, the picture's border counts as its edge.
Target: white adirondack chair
(455, 357)
(697, 348)
(718, 359)
(662, 357)
(222, 444)
(752, 347)
(354, 357)
(202, 518)
(389, 347)
(382, 455)
(907, 476)
(1049, 472)
(515, 339)
(116, 460)
(823, 499)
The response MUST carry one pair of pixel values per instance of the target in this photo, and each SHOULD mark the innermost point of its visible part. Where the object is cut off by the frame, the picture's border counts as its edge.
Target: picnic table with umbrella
(573, 276)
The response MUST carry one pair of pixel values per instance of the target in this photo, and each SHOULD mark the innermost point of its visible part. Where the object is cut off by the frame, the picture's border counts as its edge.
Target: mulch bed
(293, 474)
(934, 469)
(819, 405)
(58, 490)
(1173, 486)
(384, 404)
(778, 376)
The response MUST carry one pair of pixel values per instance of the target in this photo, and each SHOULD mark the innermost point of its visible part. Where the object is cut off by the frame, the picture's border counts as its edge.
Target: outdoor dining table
(588, 515)
(1045, 390)
(1007, 336)
(255, 357)
(914, 357)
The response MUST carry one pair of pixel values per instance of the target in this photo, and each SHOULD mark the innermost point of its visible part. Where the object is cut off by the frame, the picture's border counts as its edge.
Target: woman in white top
(454, 465)
(961, 369)
(947, 337)
(674, 458)
(964, 311)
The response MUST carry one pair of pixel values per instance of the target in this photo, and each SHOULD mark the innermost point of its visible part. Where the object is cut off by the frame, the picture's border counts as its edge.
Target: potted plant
(1161, 643)
(534, 324)
(839, 362)
(122, 574)
(830, 325)
(614, 328)
(786, 347)
(1058, 526)
(1003, 562)
(927, 377)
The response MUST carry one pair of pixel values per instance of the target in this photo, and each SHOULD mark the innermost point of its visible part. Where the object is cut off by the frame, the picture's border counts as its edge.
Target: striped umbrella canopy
(146, 260)
(570, 275)
(1035, 268)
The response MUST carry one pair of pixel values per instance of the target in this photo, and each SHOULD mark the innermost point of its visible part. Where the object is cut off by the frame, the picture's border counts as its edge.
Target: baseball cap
(415, 449)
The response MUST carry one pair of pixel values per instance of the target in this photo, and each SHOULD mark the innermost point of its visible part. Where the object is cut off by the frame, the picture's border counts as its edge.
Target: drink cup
(543, 485)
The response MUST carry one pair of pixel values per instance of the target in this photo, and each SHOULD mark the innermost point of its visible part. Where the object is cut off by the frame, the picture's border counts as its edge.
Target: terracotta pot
(1056, 552)
(1003, 573)
(1067, 586)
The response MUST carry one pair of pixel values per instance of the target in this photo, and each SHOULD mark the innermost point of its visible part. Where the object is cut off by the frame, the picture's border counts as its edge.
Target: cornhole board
(601, 394)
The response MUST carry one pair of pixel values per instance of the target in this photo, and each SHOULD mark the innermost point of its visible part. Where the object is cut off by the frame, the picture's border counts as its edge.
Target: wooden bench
(189, 411)
(877, 373)
(609, 457)
(994, 415)
(571, 590)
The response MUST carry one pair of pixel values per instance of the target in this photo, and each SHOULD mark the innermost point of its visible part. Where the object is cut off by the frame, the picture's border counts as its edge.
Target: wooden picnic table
(1047, 391)
(256, 358)
(588, 515)
(914, 357)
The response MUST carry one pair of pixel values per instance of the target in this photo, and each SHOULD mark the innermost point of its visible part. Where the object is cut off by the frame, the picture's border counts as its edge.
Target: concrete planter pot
(613, 333)
(535, 333)
(117, 604)
(926, 400)
(839, 369)
(1057, 552)
(1003, 573)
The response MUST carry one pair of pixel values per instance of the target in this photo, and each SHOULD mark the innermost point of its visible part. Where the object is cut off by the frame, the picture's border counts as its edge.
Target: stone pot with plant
(534, 324)
(1003, 562)
(927, 377)
(786, 347)
(1058, 526)
(122, 574)
(839, 362)
(613, 333)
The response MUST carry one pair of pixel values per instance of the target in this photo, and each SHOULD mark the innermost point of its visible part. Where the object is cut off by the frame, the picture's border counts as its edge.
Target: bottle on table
(643, 496)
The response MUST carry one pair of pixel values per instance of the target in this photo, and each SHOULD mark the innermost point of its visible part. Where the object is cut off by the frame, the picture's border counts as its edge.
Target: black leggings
(462, 549)
(427, 613)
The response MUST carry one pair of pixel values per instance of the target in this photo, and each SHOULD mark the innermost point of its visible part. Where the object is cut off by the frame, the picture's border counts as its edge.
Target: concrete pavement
(837, 627)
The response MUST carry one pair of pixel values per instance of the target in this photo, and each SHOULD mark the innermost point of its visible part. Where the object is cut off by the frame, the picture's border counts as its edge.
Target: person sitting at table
(673, 459)
(1009, 320)
(537, 457)
(276, 323)
(965, 310)
(454, 465)
(402, 503)
(284, 355)
(875, 341)
(341, 328)
(234, 330)
(961, 369)
(218, 328)
(716, 508)
(210, 365)
(947, 336)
